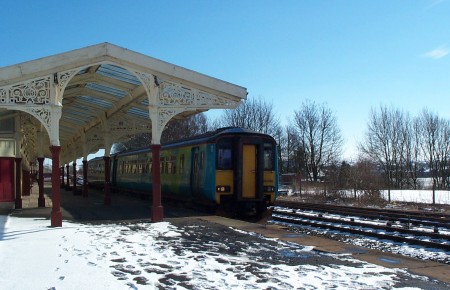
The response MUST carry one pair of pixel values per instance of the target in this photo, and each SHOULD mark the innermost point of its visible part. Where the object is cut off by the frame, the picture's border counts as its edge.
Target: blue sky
(352, 55)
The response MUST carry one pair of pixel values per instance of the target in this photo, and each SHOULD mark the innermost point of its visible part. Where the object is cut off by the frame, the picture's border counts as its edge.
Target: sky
(353, 55)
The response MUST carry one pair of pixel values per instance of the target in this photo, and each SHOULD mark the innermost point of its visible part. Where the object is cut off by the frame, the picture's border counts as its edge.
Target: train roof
(208, 137)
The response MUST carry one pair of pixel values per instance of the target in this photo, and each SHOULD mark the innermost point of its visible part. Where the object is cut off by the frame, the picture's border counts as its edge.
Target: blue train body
(230, 165)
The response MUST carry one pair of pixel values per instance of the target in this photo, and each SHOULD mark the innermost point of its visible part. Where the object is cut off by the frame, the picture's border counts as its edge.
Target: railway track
(431, 231)
(424, 218)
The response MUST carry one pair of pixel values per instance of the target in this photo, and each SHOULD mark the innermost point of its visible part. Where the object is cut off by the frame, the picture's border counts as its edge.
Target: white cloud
(437, 53)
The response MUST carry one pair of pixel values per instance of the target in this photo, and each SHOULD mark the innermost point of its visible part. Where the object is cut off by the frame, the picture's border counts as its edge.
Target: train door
(6, 179)
(249, 171)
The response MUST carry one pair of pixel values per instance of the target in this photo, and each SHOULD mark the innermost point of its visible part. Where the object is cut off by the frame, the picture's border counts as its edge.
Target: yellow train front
(233, 168)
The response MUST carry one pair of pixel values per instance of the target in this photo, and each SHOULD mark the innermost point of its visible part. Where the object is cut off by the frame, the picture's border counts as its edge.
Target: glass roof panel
(138, 113)
(118, 73)
(83, 71)
(106, 89)
(74, 119)
(82, 108)
(99, 102)
(78, 113)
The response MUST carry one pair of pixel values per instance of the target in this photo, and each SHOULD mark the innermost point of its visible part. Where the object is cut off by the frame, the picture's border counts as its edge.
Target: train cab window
(268, 157)
(224, 156)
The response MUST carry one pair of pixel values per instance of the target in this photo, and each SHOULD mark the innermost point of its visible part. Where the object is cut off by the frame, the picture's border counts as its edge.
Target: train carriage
(96, 172)
(230, 166)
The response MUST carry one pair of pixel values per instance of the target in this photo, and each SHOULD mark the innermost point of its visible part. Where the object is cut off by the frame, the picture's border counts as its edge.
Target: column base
(157, 213)
(18, 203)
(56, 219)
(41, 202)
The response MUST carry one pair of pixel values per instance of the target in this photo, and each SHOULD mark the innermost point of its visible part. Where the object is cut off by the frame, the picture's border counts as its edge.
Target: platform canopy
(87, 99)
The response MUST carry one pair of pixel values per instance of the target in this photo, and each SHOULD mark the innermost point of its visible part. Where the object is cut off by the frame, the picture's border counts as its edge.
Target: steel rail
(436, 220)
(314, 221)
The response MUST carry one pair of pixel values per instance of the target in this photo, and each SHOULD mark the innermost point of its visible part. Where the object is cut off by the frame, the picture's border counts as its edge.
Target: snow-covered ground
(414, 196)
(166, 256)
(418, 196)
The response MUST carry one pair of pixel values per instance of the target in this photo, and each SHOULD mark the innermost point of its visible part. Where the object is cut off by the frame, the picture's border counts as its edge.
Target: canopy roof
(101, 93)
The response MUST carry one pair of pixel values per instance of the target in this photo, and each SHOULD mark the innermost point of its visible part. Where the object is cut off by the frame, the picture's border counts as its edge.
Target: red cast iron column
(74, 188)
(41, 199)
(85, 178)
(157, 209)
(68, 178)
(63, 184)
(56, 215)
(26, 183)
(18, 201)
(107, 200)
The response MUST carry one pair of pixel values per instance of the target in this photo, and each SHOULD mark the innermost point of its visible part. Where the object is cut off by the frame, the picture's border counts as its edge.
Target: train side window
(182, 164)
(224, 158)
(173, 160)
(195, 165)
(169, 166)
(268, 157)
(162, 162)
(202, 158)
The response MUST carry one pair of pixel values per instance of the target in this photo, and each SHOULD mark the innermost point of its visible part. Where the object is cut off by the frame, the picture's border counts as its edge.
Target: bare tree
(383, 142)
(293, 153)
(184, 128)
(254, 114)
(366, 180)
(413, 152)
(280, 138)
(436, 147)
(320, 137)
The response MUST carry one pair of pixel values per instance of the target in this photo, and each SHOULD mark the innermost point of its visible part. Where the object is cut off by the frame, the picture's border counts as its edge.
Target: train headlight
(269, 189)
(223, 188)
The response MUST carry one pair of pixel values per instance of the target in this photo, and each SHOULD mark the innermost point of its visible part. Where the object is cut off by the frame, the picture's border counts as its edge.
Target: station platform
(92, 209)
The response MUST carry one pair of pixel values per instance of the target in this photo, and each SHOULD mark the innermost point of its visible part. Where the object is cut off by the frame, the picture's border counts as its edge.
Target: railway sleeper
(359, 224)
(364, 232)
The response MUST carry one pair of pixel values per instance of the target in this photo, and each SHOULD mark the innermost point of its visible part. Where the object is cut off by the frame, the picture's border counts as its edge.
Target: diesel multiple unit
(233, 168)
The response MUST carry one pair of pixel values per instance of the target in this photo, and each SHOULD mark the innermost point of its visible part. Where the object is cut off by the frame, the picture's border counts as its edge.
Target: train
(231, 168)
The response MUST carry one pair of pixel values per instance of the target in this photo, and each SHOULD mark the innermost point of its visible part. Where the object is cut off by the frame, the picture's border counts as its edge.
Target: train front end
(246, 172)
